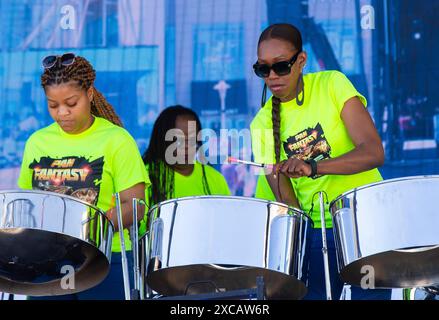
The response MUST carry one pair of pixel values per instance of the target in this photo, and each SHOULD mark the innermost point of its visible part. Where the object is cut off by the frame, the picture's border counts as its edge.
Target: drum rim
(373, 184)
(227, 197)
(59, 195)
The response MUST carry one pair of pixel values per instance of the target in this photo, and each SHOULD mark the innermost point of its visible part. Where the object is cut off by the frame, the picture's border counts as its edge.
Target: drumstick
(251, 163)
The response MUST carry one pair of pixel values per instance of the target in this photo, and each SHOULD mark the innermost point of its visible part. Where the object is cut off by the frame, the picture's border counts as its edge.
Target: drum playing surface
(389, 233)
(202, 244)
(46, 236)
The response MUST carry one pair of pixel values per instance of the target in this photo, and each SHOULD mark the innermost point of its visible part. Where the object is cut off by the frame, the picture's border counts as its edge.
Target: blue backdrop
(151, 54)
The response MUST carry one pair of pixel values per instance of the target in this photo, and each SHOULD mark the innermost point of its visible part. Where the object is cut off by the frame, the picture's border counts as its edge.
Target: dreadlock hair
(161, 174)
(82, 72)
(290, 34)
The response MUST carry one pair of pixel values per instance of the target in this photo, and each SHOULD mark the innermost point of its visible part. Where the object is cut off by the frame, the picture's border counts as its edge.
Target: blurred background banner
(199, 53)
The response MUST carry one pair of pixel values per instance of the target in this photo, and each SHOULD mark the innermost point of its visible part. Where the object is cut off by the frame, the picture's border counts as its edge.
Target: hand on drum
(293, 168)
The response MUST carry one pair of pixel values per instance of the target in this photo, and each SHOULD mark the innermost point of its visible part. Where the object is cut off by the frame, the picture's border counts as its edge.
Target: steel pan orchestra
(217, 243)
(389, 232)
(44, 236)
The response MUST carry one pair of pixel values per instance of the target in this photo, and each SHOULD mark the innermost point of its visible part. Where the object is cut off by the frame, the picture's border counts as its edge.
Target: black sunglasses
(65, 59)
(281, 68)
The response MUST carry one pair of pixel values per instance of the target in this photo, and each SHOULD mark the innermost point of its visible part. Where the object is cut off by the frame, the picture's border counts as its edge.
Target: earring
(299, 84)
(92, 103)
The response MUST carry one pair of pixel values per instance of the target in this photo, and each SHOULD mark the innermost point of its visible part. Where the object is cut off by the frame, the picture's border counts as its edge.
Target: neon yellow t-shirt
(91, 166)
(314, 130)
(263, 190)
(192, 185)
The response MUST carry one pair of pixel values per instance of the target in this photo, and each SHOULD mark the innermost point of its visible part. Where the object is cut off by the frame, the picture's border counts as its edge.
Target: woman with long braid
(86, 135)
(321, 138)
(171, 164)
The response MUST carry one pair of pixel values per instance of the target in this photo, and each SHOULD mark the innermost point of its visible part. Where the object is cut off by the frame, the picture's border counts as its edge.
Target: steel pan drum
(218, 243)
(44, 236)
(389, 230)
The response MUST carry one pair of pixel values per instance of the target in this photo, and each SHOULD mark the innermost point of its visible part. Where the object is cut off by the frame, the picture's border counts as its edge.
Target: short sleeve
(342, 90)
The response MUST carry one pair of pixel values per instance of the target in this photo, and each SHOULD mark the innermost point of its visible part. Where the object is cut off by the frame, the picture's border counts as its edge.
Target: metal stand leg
(346, 292)
(126, 280)
(135, 293)
(325, 248)
(260, 287)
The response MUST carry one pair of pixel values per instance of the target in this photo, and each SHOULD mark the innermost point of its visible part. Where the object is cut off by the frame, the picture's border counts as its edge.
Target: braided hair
(82, 72)
(160, 173)
(290, 34)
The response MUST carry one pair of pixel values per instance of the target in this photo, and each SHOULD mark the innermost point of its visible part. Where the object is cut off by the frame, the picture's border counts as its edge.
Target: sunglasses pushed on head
(65, 59)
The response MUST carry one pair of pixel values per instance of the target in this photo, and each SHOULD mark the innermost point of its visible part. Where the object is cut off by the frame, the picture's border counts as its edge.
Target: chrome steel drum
(389, 231)
(219, 243)
(44, 236)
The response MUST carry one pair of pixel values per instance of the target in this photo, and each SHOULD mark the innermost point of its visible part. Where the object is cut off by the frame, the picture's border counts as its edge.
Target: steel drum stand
(325, 247)
(257, 293)
(346, 292)
(133, 294)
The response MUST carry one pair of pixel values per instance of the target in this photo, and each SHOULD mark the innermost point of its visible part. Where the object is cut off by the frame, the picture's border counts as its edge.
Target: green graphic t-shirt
(314, 130)
(192, 185)
(91, 166)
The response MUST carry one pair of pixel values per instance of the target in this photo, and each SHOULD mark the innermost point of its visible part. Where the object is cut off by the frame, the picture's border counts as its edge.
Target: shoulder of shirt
(104, 124)
(325, 75)
(51, 128)
(321, 76)
(329, 76)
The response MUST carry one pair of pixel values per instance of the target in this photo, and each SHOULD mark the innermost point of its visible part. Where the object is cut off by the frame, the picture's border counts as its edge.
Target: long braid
(206, 187)
(275, 118)
(83, 73)
(102, 108)
(162, 182)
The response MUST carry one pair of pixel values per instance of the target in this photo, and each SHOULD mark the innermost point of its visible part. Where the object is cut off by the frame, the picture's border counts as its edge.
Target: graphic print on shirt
(308, 144)
(74, 176)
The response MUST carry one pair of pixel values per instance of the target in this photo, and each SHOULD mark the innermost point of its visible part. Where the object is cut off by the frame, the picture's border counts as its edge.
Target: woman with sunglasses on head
(86, 133)
(321, 138)
(171, 159)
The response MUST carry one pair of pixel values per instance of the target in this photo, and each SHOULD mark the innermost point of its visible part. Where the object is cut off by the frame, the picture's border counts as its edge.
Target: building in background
(154, 53)
(124, 40)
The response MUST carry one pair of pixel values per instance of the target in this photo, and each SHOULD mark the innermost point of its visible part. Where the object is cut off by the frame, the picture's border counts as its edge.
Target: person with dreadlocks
(316, 130)
(86, 135)
(171, 164)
